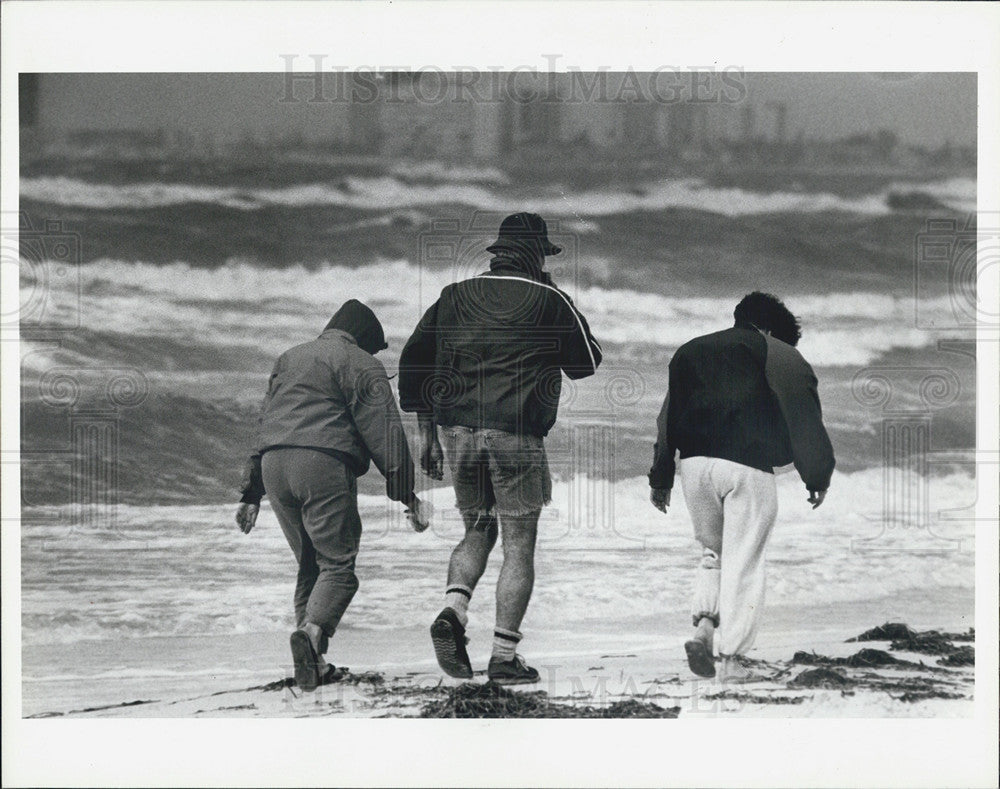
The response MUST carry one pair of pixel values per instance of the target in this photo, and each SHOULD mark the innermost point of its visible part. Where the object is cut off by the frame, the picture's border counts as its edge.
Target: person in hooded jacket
(328, 412)
(485, 365)
(740, 402)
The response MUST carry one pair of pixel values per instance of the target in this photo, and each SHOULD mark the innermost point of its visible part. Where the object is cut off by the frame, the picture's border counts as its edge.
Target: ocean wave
(389, 192)
(448, 172)
(956, 193)
(214, 306)
(208, 579)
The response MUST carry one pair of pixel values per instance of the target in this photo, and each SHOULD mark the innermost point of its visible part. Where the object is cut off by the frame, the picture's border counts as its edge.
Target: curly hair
(767, 312)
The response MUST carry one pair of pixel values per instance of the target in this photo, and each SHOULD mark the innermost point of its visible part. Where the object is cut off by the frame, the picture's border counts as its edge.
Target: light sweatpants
(315, 498)
(733, 508)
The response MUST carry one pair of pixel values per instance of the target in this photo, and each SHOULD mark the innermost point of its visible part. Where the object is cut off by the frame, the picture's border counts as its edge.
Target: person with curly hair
(740, 403)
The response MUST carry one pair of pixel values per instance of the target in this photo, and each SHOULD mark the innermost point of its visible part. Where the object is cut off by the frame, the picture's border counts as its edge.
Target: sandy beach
(598, 673)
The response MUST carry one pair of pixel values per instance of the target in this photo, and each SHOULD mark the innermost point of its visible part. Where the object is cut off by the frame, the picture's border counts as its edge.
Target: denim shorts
(497, 471)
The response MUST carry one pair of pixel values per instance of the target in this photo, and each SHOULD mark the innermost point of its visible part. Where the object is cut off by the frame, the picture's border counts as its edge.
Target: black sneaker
(511, 672)
(448, 636)
(304, 659)
(699, 656)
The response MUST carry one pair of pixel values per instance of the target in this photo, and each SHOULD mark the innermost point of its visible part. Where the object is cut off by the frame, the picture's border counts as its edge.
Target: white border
(250, 36)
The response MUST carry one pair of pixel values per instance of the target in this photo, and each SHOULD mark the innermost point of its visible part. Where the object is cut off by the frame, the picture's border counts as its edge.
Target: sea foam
(389, 192)
(188, 571)
(272, 308)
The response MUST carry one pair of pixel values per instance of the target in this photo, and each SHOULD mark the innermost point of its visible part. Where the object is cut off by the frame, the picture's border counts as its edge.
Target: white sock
(505, 643)
(457, 598)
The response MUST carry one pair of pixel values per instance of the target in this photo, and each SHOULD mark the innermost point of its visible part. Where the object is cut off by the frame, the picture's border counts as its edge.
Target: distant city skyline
(928, 109)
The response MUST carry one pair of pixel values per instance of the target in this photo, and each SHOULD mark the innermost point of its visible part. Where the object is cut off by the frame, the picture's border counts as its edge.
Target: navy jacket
(747, 397)
(490, 353)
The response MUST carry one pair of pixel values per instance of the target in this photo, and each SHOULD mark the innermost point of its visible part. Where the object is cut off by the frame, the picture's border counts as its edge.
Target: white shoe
(737, 670)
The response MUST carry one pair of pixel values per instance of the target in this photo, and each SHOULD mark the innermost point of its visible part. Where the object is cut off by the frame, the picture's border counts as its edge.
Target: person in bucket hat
(484, 365)
(524, 231)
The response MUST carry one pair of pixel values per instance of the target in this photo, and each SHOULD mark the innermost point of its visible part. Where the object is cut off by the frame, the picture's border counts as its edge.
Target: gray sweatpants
(315, 498)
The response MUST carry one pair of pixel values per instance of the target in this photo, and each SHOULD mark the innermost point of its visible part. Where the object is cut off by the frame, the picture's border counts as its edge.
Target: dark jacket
(490, 352)
(329, 394)
(746, 397)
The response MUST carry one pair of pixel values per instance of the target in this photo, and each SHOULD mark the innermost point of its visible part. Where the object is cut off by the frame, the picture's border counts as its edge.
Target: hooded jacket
(332, 395)
(743, 396)
(490, 352)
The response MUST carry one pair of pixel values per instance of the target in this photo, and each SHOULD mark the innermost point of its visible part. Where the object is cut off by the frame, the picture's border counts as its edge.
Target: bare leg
(467, 565)
(705, 632)
(468, 560)
(517, 575)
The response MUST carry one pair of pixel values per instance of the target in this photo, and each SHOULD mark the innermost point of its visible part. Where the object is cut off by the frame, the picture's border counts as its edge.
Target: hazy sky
(927, 109)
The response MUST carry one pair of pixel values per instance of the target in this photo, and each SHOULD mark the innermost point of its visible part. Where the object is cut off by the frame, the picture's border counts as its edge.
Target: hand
(246, 516)
(816, 497)
(419, 514)
(432, 457)
(660, 498)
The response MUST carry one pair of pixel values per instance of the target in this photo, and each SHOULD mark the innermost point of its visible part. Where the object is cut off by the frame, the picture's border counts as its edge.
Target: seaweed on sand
(135, 703)
(929, 642)
(906, 687)
(278, 684)
(344, 676)
(962, 656)
(875, 658)
(821, 678)
(886, 632)
(743, 697)
(864, 658)
(913, 689)
(493, 701)
(935, 643)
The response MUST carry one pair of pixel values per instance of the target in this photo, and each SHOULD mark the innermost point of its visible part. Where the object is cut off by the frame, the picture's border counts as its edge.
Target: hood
(360, 322)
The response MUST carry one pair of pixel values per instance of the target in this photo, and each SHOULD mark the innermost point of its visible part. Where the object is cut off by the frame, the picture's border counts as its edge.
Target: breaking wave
(389, 192)
(237, 304)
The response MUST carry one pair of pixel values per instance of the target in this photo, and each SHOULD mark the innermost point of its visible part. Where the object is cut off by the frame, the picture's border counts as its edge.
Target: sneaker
(511, 672)
(699, 655)
(304, 660)
(448, 636)
(737, 670)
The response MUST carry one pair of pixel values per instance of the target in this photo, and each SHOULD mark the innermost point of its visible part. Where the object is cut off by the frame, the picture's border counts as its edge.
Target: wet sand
(807, 668)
